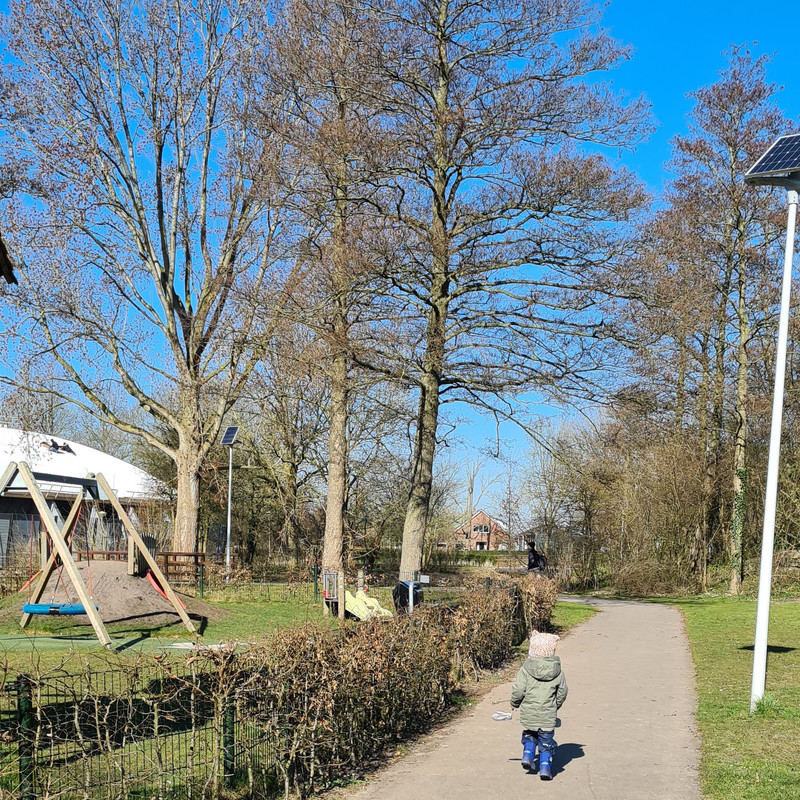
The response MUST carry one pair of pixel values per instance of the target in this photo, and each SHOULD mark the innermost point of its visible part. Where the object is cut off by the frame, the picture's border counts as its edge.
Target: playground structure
(361, 605)
(18, 477)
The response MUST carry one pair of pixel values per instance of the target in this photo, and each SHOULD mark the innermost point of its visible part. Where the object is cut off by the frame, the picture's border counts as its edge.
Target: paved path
(627, 729)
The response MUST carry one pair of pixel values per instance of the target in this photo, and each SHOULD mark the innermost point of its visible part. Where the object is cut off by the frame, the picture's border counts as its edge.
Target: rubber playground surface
(88, 642)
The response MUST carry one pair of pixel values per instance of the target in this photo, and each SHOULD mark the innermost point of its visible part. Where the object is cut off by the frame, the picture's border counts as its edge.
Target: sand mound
(123, 598)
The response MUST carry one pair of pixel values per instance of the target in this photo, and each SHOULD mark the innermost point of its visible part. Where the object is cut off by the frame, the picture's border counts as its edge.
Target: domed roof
(61, 457)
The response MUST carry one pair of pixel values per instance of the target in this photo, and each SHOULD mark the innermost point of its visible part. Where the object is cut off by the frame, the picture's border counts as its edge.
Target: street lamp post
(779, 166)
(229, 439)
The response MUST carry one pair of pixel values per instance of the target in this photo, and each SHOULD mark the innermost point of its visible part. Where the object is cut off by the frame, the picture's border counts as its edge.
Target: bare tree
(158, 216)
(712, 255)
(506, 223)
(324, 52)
(732, 122)
(285, 406)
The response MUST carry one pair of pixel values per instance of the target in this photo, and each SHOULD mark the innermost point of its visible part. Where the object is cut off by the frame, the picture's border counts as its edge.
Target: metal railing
(158, 732)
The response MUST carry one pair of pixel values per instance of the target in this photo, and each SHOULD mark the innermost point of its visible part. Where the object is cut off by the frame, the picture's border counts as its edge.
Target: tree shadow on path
(566, 753)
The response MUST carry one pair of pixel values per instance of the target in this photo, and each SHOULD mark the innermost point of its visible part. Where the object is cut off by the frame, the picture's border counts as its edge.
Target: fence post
(341, 595)
(316, 583)
(228, 741)
(27, 723)
(361, 580)
(201, 576)
(488, 583)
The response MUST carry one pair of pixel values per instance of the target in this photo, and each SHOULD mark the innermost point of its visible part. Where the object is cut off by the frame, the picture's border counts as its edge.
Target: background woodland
(338, 225)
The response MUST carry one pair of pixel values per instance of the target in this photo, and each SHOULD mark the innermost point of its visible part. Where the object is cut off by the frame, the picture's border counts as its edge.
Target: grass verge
(48, 642)
(745, 756)
(566, 615)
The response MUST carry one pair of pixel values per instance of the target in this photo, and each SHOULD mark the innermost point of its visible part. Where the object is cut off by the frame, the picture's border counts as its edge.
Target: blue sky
(679, 47)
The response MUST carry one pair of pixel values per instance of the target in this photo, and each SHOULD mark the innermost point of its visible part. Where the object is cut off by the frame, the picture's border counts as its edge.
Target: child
(539, 690)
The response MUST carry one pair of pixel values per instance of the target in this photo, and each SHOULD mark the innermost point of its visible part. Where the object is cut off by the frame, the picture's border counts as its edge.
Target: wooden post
(151, 562)
(8, 476)
(43, 556)
(50, 563)
(131, 556)
(63, 551)
(27, 738)
(341, 595)
(361, 580)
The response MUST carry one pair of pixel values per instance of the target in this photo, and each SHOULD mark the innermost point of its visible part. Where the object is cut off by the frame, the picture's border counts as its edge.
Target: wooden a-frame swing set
(19, 476)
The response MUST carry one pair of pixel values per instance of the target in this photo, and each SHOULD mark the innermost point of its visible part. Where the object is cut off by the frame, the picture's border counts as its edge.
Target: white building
(53, 461)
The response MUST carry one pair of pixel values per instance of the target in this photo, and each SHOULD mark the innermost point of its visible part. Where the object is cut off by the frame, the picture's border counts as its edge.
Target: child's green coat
(539, 690)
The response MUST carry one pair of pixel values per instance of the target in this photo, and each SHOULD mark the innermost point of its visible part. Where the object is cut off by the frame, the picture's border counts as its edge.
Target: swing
(53, 609)
(19, 476)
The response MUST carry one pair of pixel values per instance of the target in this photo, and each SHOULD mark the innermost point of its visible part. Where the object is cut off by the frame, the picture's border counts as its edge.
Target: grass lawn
(567, 615)
(746, 756)
(48, 641)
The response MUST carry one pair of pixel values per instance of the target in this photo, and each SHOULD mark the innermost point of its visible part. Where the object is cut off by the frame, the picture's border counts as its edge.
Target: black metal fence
(161, 731)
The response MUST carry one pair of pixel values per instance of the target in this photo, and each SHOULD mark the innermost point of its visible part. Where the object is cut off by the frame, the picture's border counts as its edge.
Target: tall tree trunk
(431, 379)
(337, 466)
(680, 391)
(184, 535)
(419, 500)
(291, 532)
(717, 521)
(702, 526)
(740, 443)
(337, 446)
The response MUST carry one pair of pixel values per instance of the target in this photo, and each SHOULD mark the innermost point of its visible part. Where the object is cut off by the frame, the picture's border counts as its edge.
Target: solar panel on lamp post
(229, 439)
(779, 166)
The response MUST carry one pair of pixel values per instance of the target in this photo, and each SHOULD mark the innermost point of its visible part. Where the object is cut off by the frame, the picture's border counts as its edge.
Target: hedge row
(334, 701)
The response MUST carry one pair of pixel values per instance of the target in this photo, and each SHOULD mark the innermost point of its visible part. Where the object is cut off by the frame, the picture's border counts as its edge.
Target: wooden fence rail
(177, 567)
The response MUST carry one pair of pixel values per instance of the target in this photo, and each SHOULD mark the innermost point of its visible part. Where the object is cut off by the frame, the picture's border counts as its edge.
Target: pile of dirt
(121, 598)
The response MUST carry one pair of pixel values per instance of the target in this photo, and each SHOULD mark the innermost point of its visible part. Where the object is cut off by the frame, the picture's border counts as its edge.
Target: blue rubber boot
(529, 755)
(545, 763)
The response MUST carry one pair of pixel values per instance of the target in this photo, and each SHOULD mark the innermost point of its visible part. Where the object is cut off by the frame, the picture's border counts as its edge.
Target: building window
(480, 545)
(480, 530)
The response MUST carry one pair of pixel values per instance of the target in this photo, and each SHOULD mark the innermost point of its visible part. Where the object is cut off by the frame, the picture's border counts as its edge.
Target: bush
(301, 710)
(651, 579)
(538, 597)
(336, 699)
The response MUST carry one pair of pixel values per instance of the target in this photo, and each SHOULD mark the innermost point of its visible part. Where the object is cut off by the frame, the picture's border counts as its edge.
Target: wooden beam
(8, 476)
(131, 557)
(151, 562)
(66, 556)
(47, 569)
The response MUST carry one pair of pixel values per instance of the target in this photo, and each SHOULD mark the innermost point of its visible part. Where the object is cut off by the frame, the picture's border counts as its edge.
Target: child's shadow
(566, 753)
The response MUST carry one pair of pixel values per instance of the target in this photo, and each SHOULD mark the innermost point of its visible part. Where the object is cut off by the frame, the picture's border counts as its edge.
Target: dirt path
(627, 729)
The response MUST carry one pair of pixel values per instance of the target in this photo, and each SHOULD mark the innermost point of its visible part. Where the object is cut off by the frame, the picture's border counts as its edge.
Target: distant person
(539, 690)
(536, 560)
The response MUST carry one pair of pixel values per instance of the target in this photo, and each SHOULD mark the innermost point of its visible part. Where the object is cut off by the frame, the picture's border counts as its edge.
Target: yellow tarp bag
(357, 607)
(373, 604)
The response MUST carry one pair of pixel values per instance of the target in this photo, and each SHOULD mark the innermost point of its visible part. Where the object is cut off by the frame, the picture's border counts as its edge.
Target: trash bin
(400, 596)
(141, 566)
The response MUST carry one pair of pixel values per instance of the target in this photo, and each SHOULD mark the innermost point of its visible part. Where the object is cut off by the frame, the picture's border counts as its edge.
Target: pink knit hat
(542, 644)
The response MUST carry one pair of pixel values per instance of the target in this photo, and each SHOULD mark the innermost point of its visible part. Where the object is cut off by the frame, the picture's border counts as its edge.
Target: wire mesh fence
(165, 730)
